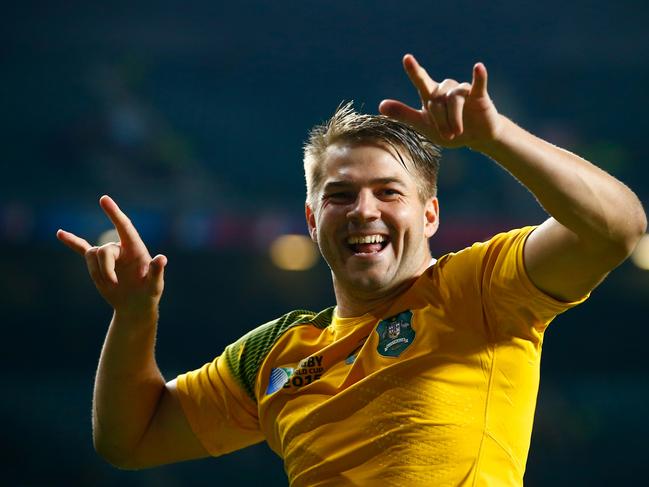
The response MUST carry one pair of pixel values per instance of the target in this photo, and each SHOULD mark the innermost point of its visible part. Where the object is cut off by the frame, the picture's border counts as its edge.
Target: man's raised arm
(596, 220)
(137, 418)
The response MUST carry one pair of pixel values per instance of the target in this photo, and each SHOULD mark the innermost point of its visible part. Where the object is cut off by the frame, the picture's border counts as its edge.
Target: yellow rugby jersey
(438, 389)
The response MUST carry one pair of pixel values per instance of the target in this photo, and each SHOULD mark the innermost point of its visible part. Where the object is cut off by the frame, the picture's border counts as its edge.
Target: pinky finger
(156, 271)
(479, 82)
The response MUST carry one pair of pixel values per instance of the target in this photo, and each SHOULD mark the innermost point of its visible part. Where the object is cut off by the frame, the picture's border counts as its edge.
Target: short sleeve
(510, 299)
(221, 415)
(219, 398)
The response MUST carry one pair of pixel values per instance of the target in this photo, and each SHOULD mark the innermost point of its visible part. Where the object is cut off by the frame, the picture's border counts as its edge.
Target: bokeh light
(107, 237)
(293, 252)
(640, 256)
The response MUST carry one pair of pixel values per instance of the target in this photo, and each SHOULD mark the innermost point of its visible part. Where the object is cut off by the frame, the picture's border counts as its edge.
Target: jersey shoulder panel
(245, 356)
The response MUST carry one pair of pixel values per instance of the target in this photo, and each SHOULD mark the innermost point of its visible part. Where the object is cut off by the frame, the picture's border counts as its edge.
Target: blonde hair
(346, 125)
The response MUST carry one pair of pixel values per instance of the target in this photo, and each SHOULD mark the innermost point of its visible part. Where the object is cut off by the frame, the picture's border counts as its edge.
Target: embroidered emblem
(394, 329)
(395, 334)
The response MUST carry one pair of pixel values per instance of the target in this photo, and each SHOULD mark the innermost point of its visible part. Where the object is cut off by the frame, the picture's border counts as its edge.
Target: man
(424, 373)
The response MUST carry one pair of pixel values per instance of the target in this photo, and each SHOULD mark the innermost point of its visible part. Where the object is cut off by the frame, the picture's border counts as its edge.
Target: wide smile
(367, 245)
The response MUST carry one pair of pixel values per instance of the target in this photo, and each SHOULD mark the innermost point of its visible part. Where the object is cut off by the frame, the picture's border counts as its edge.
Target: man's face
(369, 221)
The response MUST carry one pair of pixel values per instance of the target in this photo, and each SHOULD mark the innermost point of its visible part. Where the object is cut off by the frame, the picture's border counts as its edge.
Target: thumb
(403, 113)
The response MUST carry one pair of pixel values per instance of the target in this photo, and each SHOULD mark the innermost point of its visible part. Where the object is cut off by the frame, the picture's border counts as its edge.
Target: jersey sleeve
(490, 279)
(509, 297)
(222, 416)
(219, 399)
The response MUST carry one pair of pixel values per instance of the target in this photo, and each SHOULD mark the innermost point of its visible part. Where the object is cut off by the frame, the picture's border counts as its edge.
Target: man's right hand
(123, 272)
(138, 420)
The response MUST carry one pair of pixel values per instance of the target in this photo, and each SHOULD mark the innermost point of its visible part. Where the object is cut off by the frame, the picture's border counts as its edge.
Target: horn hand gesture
(452, 114)
(123, 272)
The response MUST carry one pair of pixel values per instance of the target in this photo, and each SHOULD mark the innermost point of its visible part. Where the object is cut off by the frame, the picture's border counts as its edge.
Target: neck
(353, 300)
(352, 303)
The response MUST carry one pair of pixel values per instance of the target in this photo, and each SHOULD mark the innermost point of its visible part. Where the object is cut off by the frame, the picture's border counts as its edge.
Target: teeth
(365, 239)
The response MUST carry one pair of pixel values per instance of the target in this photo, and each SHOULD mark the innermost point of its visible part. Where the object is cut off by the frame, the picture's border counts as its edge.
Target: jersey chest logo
(307, 371)
(395, 334)
(278, 377)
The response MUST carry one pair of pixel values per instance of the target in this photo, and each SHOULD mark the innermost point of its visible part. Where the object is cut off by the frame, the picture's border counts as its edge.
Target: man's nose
(365, 207)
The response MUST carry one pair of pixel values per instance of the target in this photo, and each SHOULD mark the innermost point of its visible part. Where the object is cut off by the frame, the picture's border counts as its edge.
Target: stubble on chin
(370, 285)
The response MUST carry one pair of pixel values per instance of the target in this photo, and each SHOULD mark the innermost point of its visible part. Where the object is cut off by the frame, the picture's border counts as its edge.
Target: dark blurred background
(192, 116)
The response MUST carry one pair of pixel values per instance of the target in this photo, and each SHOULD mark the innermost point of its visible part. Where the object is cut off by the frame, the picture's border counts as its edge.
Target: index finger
(419, 77)
(127, 233)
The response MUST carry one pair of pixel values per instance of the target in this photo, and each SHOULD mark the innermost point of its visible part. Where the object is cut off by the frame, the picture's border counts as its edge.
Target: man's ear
(310, 222)
(431, 215)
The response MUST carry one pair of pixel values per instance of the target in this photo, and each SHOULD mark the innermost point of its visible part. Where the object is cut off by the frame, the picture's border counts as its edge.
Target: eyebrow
(372, 182)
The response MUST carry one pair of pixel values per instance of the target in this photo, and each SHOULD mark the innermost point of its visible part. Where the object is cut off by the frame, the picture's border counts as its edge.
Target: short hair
(346, 125)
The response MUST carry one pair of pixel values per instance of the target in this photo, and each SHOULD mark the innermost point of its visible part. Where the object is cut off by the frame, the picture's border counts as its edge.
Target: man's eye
(390, 192)
(339, 196)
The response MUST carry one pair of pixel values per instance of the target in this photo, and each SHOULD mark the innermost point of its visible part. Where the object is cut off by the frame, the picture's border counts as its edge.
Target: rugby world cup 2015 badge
(395, 334)
(278, 377)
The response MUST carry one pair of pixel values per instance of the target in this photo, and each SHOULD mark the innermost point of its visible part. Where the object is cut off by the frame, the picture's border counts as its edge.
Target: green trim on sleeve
(245, 356)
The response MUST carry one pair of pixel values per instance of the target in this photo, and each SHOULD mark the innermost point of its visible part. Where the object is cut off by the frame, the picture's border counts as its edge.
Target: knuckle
(105, 249)
(456, 92)
(108, 249)
(448, 83)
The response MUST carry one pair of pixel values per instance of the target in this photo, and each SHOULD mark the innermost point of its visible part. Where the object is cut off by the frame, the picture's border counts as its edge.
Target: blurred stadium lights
(640, 256)
(107, 237)
(293, 252)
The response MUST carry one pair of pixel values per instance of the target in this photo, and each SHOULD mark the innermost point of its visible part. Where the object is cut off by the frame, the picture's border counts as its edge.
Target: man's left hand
(452, 114)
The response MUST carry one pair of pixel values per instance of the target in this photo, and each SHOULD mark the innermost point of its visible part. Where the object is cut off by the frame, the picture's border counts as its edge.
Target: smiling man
(367, 208)
(424, 372)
